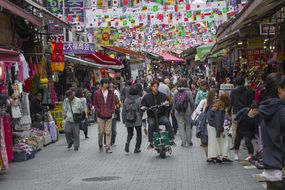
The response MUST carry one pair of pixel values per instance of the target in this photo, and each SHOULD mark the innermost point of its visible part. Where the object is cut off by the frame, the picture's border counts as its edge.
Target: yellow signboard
(105, 36)
(58, 116)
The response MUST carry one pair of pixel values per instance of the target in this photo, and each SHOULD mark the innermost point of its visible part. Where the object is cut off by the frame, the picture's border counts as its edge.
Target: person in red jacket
(104, 102)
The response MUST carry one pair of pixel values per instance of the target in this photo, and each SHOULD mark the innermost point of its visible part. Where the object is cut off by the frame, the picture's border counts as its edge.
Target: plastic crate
(165, 138)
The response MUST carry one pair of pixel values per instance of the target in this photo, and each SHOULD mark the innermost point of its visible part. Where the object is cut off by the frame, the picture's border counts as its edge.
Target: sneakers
(150, 146)
(227, 161)
(248, 158)
(70, 145)
(236, 157)
(190, 144)
(137, 151)
(108, 150)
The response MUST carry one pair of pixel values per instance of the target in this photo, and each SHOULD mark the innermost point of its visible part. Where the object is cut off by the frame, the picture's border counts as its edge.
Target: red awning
(125, 51)
(102, 59)
(169, 57)
(9, 55)
(21, 12)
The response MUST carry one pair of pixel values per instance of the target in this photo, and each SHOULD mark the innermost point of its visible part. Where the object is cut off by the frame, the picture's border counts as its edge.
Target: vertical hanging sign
(55, 7)
(74, 9)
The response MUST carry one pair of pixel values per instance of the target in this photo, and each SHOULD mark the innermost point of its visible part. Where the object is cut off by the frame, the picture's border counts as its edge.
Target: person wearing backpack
(183, 106)
(132, 118)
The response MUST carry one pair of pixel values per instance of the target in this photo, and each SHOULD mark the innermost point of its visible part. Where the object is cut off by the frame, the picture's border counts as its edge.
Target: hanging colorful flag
(125, 3)
(198, 13)
(160, 1)
(189, 14)
(187, 7)
(144, 9)
(100, 4)
(177, 8)
(207, 12)
(155, 8)
(115, 3)
(170, 2)
(169, 16)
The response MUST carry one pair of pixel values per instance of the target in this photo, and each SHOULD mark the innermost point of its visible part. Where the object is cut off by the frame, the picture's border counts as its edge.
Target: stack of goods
(42, 136)
(23, 152)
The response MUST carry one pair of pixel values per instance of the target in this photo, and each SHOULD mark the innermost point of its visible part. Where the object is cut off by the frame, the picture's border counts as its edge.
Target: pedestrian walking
(202, 92)
(83, 124)
(199, 117)
(217, 138)
(72, 111)
(241, 97)
(247, 124)
(125, 91)
(104, 102)
(183, 108)
(272, 113)
(132, 118)
(116, 114)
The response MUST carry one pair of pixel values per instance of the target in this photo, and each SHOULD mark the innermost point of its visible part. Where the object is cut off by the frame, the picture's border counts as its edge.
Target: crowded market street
(186, 169)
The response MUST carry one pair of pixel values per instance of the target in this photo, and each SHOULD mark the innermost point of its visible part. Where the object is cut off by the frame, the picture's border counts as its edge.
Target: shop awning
(168, 57)
(9, 55)
(21, 12)
(203, 50)
(88, 62)
(255, 10)
(48, 15)
(126, 51)
(101, 59)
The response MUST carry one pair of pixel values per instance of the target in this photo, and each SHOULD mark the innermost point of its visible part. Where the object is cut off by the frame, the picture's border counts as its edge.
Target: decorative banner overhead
(78, 48)
(153, 14)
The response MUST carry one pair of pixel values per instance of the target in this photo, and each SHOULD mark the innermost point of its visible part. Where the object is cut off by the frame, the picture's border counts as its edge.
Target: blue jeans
(152, 127)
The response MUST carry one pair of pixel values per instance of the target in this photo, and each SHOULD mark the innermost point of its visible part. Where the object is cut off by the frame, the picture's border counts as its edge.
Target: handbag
(77, 117)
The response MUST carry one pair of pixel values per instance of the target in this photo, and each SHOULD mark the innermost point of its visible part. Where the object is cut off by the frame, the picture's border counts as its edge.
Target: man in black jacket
(241, 97)
(152, 99)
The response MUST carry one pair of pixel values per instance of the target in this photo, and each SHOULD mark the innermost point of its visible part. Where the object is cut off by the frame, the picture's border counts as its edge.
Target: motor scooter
(161, 141)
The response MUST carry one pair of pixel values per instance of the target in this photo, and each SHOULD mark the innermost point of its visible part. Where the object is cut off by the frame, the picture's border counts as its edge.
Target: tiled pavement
(56, 168)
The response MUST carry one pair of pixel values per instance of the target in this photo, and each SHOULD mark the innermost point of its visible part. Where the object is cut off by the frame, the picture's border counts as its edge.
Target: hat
(69, 93)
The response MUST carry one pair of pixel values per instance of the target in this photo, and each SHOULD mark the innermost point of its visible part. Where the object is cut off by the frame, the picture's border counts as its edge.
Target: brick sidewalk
(56, 168)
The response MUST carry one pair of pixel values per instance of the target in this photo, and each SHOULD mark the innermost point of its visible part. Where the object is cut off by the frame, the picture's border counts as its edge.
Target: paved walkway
(56, 168)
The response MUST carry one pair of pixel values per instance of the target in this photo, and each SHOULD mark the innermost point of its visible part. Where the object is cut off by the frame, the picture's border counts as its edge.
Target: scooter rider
(152, 99)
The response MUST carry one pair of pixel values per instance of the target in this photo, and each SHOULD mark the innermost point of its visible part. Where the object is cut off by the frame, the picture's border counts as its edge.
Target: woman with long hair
(217, 139)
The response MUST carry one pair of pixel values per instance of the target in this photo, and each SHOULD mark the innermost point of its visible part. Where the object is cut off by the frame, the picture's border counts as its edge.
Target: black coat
(241, 97)
(152, 100)
(272, 113)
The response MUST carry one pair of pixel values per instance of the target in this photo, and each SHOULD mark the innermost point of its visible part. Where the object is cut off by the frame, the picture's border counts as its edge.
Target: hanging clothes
(3, 152)
(25, 104)
(8, 136)
(22, 69)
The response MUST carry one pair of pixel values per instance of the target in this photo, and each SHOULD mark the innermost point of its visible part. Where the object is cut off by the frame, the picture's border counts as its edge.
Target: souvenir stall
(20, 138)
